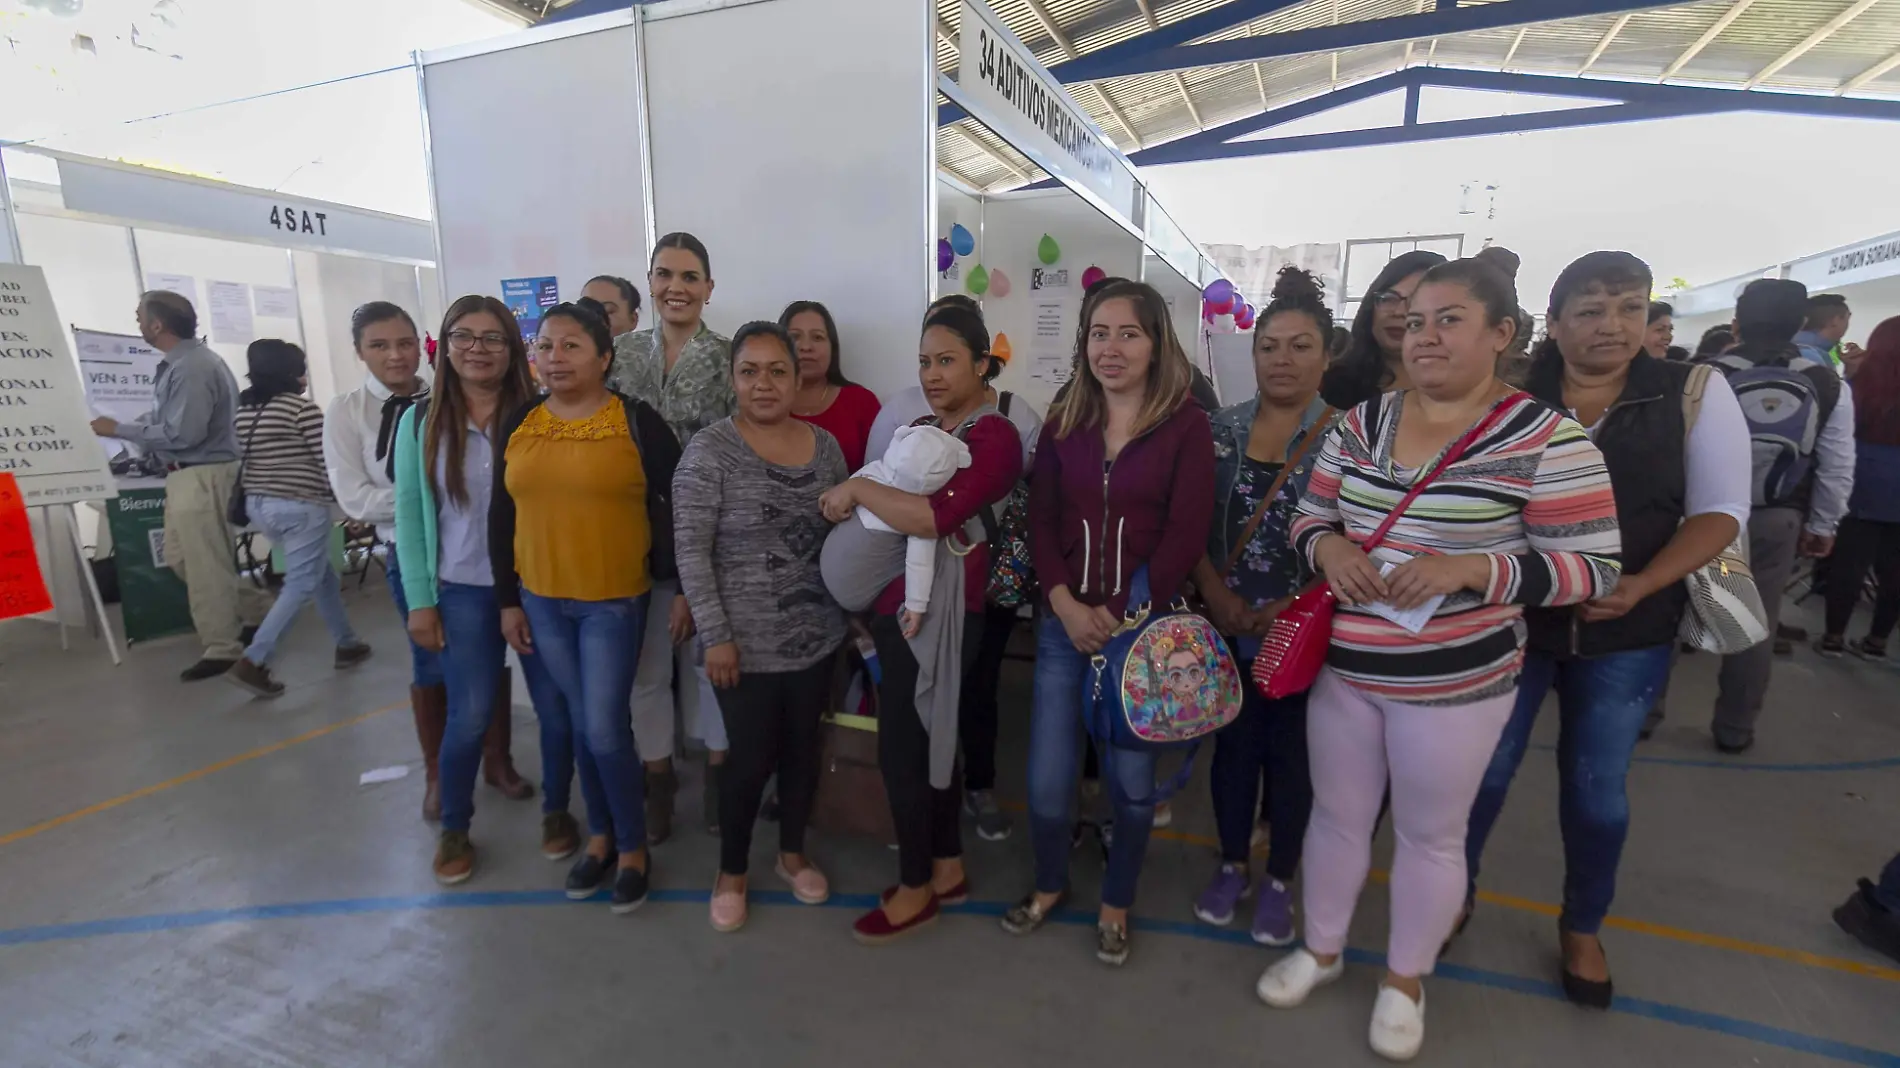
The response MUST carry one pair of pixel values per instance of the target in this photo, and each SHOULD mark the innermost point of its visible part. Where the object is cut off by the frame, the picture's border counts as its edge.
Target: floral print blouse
(694, 395)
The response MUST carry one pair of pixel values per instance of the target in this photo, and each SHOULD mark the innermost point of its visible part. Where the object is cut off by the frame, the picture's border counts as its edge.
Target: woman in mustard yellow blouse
(580, 526)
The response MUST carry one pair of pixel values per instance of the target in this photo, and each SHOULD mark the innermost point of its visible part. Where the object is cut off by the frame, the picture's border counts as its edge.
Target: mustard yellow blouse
(580, 493)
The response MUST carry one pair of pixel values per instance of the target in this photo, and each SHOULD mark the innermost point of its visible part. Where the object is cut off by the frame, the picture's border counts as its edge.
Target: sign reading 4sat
(299, 220)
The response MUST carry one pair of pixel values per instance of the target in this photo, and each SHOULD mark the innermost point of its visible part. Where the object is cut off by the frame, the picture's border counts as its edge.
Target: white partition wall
(1184, 303)
(535, 162)
(790, 137)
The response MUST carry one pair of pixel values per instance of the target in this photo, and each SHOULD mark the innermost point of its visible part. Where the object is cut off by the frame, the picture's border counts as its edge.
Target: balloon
(977, 281)
(1092, 276)
(999, 283)
(1219, 291)
(1244, 318)
(1223, 306)
(1000, 348)
(945, 257)
(1047, 250)
(962, 241)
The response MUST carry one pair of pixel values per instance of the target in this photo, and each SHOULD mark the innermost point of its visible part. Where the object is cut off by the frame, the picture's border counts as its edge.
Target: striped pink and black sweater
(1532, 494)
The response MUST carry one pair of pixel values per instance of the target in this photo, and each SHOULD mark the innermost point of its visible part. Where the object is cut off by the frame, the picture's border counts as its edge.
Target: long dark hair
(835, 373)
(444, 432)
(1877, 387)
(276, 368)
(1362, 372)
(1610, 271)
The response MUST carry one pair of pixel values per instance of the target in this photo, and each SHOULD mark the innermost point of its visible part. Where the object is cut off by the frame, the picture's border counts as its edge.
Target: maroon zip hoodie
(1091, 528)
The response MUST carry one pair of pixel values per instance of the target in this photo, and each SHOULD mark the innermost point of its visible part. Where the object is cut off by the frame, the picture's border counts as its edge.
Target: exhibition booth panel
(1866, 272)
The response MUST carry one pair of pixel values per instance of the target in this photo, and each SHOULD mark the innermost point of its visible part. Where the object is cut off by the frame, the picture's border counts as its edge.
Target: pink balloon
(999, 284)
(1092, 276)
(1223, 307)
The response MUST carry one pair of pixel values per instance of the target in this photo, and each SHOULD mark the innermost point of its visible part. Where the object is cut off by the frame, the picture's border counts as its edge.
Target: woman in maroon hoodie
(1124, 483)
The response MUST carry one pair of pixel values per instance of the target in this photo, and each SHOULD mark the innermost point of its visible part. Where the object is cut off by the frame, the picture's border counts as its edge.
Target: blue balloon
(962, 241)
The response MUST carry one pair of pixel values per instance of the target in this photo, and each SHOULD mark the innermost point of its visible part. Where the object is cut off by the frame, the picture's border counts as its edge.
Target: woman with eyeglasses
(580, 528)
(1372, 363)
(444, 464)
(683, 370)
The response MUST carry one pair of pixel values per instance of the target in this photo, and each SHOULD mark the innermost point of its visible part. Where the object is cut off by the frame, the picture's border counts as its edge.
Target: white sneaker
(1290, 979)
(1398, 1025)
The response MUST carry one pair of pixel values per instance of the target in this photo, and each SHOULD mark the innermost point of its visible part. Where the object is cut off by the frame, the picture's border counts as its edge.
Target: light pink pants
(1436, 757)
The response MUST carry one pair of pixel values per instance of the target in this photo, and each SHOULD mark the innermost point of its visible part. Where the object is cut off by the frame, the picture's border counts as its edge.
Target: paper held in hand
(1412, 619)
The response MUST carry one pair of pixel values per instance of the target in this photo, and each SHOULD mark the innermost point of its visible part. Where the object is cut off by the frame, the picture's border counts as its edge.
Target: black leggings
(771, 726)
(926, 819)
(1862, 545)
(977, 711)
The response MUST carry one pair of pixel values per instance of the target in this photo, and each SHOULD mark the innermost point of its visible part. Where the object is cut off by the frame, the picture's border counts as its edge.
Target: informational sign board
(528, 298)
(1864, 262)
(46, 438)
(121, 373)
(152, 598)
(22, 588)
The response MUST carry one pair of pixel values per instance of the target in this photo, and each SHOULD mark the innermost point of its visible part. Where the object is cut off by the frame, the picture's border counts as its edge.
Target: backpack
(1012, 581)
(1785, 409)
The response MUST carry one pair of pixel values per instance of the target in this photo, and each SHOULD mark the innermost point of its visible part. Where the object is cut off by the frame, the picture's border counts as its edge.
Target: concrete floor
(170, 895)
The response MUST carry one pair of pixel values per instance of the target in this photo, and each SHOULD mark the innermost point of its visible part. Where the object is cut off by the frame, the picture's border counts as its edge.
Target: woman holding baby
(917, 742)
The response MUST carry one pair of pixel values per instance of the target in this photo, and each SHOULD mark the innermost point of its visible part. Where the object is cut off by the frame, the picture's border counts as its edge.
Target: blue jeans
(1055, 743)
(1601, 703)
(1267, 741)
(425, 667)
(591, 649)
(302, 530)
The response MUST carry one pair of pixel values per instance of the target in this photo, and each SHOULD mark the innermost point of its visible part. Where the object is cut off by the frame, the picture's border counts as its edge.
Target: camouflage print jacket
(694, 395)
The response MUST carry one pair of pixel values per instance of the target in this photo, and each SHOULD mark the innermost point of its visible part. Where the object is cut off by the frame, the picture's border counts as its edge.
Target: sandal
(1026, 915)
(1111, 943)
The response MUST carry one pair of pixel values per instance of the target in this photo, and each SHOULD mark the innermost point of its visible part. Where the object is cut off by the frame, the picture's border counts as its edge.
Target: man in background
(1820, 336)
(192, 431)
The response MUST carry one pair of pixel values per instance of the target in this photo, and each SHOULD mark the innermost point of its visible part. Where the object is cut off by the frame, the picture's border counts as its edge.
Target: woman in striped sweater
(1524, 517)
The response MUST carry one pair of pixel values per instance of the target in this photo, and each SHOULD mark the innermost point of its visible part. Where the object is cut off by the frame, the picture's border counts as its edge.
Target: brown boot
(431, 707)
(498, 767)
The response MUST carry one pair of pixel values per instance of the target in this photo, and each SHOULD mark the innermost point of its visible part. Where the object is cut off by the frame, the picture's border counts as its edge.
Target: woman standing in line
(1870, 535)
(954, 367)
(1123, 495)
(444, 464)
(582, 521)
(683, 370)
(1679, 501)
(826, 398)
(1248, 574)
(1372, 362)
(288, 496)
(1524, 516)
(749, 531)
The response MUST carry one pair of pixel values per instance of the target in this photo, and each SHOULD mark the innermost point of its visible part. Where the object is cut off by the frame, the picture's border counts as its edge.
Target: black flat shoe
(589, 874)
(1588, 992)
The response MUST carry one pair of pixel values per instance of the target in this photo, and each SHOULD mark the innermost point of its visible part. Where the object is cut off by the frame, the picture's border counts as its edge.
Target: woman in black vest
(1679, 503)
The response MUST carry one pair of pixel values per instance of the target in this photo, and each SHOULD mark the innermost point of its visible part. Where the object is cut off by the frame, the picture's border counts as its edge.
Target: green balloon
(977, 281)
(1048, 251)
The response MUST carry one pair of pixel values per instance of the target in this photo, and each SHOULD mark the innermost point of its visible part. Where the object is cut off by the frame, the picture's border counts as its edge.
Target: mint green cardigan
(416, 539)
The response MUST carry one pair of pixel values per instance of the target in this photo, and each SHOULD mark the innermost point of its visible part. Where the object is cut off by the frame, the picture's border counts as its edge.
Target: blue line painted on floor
(1736, 765)
(1652, 1010)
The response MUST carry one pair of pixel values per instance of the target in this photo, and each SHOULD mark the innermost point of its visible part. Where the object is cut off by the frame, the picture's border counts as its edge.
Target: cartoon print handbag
(1165, 680)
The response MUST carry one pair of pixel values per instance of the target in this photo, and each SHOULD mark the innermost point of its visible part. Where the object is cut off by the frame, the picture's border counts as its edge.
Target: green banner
(151, 595)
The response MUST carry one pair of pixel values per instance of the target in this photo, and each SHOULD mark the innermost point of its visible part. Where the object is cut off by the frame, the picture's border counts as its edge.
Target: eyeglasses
(465, 340)
(1390, 298)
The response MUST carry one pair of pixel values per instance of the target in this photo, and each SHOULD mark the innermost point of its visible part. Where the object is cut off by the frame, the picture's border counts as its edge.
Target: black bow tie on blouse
(386, 433)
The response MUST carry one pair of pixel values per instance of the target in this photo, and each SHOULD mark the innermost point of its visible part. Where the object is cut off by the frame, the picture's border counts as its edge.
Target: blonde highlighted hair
(1083, 405)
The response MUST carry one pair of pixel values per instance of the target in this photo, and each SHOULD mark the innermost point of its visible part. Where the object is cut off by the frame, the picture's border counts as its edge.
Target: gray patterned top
(694, 395)
(748, 535)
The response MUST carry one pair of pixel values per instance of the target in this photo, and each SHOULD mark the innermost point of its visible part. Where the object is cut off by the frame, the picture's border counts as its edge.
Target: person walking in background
(1119, 510)
(1372, 362)
(580, 527)
(1247, 575)
(1522, 515)
(1800, 418)
(1823, 332)
(826, 398)
(444, 462)
(1714, 342)
(287, 495)
(618, 298)
(683, 370)
(1680, 499)
(749, 530)
(917, 739)
(1659, 334)
(192, 431)
(1869, 538)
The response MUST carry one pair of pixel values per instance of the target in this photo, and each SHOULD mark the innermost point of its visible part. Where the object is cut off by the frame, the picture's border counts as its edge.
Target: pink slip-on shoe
(728, 911)
(809, 886)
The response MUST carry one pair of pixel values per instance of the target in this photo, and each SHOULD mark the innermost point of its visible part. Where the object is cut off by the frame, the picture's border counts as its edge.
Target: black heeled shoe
(1589, 993)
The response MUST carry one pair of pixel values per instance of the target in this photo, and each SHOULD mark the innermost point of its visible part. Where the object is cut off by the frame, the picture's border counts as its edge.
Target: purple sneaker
(1273, 915)
(1224, 891)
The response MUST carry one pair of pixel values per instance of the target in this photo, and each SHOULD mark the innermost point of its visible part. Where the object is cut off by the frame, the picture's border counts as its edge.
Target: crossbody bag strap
(244, 456)
(1273, 490)
(1452, 456)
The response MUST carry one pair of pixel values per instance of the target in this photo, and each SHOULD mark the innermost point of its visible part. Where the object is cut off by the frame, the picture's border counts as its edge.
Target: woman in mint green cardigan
(445, 462)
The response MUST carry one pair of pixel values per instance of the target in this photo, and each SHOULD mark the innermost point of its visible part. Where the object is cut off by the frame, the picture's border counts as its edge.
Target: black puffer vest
(1642, 438)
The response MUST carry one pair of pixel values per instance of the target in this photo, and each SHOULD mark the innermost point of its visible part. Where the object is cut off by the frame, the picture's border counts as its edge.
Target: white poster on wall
(274, 302)
(231, 312)
(182, 284)
(121, 374)
(46, 438)
(1049, 356)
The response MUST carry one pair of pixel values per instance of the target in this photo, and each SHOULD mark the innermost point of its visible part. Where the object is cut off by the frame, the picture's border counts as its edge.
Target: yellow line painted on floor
(191, 776)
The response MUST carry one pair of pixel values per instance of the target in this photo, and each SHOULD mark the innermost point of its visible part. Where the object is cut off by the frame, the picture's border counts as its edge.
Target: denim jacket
(1232, 426)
